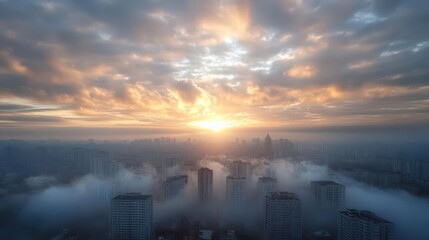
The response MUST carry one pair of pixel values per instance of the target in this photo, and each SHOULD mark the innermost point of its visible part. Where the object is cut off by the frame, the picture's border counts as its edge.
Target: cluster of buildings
(280, 212)
(403, 166)
(267, 147)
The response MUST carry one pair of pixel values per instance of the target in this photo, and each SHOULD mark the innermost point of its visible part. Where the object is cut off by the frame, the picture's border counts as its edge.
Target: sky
(80, 68)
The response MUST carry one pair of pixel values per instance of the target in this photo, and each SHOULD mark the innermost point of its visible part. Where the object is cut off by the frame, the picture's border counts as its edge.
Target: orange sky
(191, 65)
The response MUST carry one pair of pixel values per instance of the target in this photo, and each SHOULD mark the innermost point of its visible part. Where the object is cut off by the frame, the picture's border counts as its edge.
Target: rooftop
(235, 177)
(364, 215)
(325, 182)
(283, 196)
(267, 179)
(176, 177)
(205, 169)
(132, 196)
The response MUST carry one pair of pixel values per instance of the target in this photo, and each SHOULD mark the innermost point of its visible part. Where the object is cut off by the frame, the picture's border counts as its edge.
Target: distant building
(205, 234)
(228, 235)
(266, 185)
(95, 162)
(362, 225)
(170, 167)
(236, 190)
(175, 185)
(104, 191)
(268, 147)
(240, 169)
(132, 217)
(328, 194)
(283, 217)
(205, 184)
(101, 165)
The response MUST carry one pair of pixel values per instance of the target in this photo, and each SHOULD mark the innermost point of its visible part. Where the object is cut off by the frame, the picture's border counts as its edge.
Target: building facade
(283, 219)
(328, 194)
(266, 185)
(236, 190)
(240, 169)
(268, 147)
(362, 225)
(205, 184)
(132, 217)
(175, 185)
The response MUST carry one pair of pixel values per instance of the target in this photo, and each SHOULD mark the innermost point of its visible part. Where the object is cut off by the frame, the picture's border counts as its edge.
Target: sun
(214, 125)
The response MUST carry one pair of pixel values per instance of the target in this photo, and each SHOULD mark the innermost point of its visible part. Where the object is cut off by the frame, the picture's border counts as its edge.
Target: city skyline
(182, 189)
(214, 119)
(122, 69)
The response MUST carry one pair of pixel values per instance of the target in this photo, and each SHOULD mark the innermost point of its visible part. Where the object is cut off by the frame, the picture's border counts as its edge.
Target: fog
(51, 206)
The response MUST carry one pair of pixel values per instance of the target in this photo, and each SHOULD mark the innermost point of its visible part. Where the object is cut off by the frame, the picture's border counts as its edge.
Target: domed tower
(268, 147)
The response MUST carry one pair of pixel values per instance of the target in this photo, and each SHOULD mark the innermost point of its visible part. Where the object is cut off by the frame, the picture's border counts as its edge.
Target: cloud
(40, 181)
(403, 209)
(303, 71)
(154, 62)
(187, 91)
(51, 206)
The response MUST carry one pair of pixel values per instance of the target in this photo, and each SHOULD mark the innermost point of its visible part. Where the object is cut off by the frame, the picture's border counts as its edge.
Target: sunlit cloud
(302, 71)
(182, 63)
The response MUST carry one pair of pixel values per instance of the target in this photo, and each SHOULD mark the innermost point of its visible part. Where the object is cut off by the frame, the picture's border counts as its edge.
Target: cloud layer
(158, 64)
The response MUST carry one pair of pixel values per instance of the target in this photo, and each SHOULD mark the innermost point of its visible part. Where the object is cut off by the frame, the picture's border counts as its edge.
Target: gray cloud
(123, 58)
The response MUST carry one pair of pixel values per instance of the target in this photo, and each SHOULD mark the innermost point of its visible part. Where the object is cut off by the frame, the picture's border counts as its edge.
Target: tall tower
(236, 190)
(240, 169)
(283, 217)
(101, 165)
(205, 184)
(266, 185)
(175, 185)
(268, 147)
(363, 225)
(328, 195)
(132, 217)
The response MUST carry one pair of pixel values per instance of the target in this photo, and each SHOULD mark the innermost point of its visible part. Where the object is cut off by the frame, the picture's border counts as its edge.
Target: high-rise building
(268, 147)
(175, 185)
(80, 161)
(170, 166)
(236, 190)
(205, 184)
(266, 185)
(101, 165)
(94, 162)
(282, 217)
(363, 225)
(328, 194)
(132, 217)
(240, 169)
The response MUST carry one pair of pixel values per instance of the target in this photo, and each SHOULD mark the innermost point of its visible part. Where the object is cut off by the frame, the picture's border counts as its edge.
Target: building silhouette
(363, 225)
(240, 169)
(266, 185)
(328, 194)
(235, 190)
(268, 147)
(175, 185)
(132, 217)
(283, 217)
(205, 184)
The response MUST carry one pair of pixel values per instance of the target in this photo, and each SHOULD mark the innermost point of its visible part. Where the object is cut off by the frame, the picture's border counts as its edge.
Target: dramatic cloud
(158, 64)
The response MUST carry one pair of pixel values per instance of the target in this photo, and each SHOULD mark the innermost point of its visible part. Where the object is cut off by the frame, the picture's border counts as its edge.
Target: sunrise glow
(213, 125)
